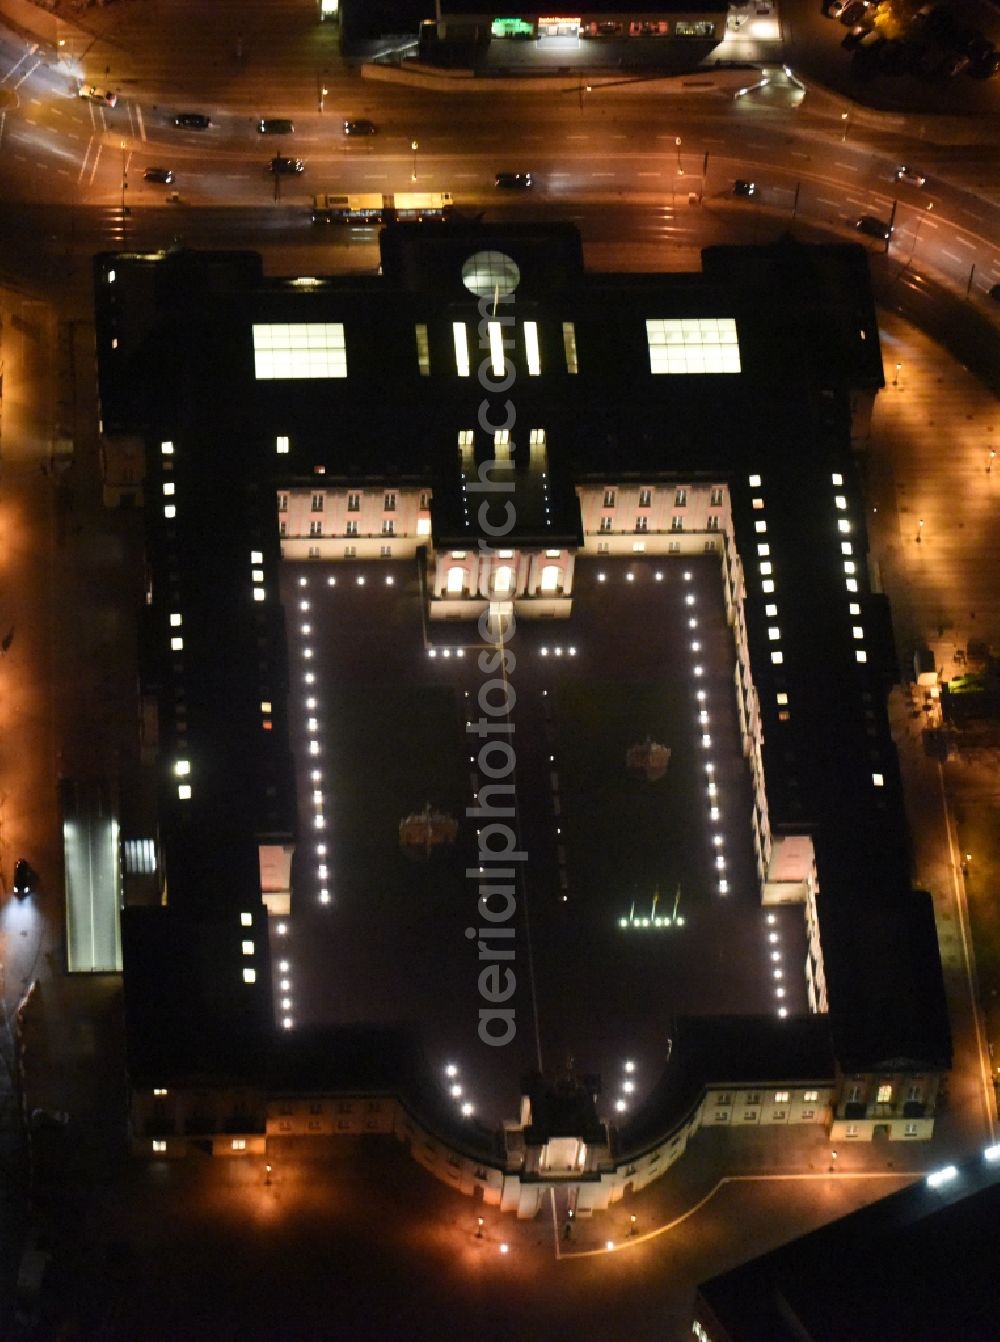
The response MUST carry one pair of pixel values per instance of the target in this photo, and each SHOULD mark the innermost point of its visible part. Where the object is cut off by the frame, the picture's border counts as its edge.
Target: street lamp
(479, 1227)
(846, 119)
(680, 170)
(895, 380)
(989, 463)
(267, 1176)
(920, 528)
(323, 91)
(414, 146)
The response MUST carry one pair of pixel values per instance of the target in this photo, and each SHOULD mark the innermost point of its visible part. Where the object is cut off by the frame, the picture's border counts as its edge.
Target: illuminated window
(176, 619)
(456, 580)
(182, 768)
(773, 632)
(169, 510)
(167, 449)
(884, 1094)
(810, 1096)
(837, 478)
(249, 974)
(299, 350)
(239, 1144)
(693, 345)
(423, 350)
(461, 339)
(531, 348)
(781, 1097)
(169, 488)
(423, 526)
(159, 1144)
(878, 780)
(753, 481)
(777, 658)
(860, 655)
(498, 360)
(782, 697)
(177, 644)
(760, 527)
(184, 791)
(503, 580)
(764, 548)
(246, 919)
(569, 346)
(550, 578)
(159, 1090)
(840, 501)
(281, 444)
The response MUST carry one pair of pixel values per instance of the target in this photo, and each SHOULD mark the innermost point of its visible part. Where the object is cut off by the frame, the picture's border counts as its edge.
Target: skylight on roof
(693, 345)
(299, 350)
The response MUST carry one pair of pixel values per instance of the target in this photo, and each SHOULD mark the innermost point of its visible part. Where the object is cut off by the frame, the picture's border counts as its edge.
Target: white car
(905, 174)
(93, 94)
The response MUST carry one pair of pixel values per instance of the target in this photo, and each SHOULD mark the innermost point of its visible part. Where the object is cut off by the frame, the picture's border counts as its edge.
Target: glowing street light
(414, 146)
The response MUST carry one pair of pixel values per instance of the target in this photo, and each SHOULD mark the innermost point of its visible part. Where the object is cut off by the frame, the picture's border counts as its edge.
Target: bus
(421, 205)
(370, 209)
(374, 208)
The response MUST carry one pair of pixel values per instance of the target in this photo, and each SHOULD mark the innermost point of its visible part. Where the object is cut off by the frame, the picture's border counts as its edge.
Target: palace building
(627, 510)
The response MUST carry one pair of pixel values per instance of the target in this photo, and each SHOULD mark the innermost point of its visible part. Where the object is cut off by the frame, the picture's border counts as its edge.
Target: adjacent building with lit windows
(666, 426)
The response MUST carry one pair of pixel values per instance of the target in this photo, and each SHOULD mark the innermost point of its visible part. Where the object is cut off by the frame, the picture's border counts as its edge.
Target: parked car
(853, 12)
(911, 175)
(514, 181)
(360, 127)
(984, 66)
(275, 126)
(24, 878)
(744, 188)
(994, 293)
(94, 95)
(162, 175)
(192, 120)
(874, 228)
(285, 167)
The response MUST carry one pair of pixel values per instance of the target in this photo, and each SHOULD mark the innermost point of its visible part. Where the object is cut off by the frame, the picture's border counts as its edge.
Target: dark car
(275, 126)
(24, 878)
(514, 181)
(361, 127)
(904, 173)
(744, 188)
(162, 175)
(873, 228)
(192, 120)
(994, 293)
(853, 13)
(985, 66)
(286, 166)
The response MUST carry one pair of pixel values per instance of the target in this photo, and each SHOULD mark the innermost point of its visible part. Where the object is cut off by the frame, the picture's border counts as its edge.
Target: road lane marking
(27, 74)
(649, 174)
(376, 176)
(945, 252)
(848, 167)
(798, 153)
(142, 124)
(964, 241)
(602, 174)
(83, 165)
(825, 200)
(97, 159)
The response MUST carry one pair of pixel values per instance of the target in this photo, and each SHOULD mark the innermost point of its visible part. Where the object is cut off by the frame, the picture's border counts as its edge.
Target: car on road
(93, 94)
(359, 127)
(162, 175)
(24, 878)
(192, 120)
(514, 181)
(904, 173)
(873, 227)
(994, 293)
(286, 167)
(275, 126)
(741, 187)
